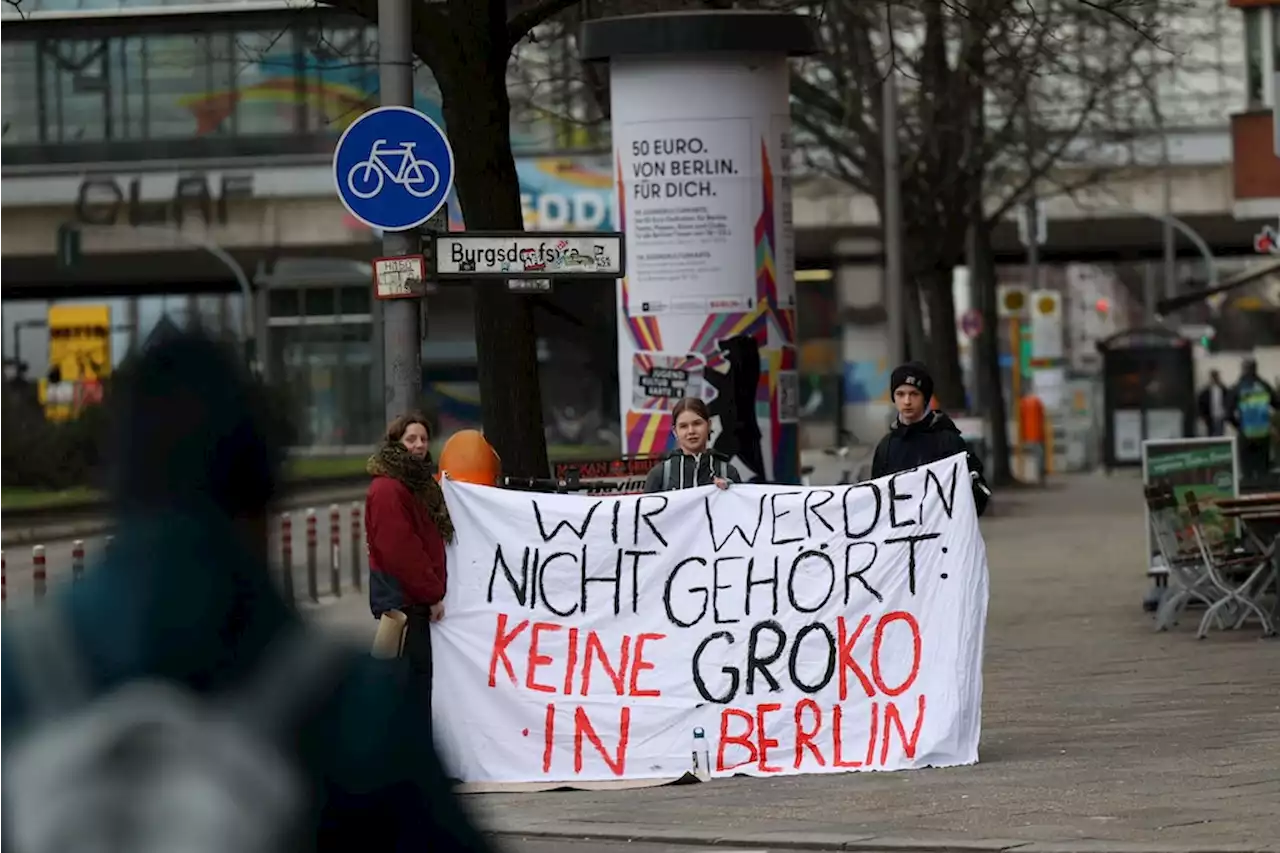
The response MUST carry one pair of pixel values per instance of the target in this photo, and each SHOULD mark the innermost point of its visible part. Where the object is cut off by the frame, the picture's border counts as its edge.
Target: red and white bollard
(38, 574)
(335, 550)
(357, 567)
(77, 560)
(313, 583)
(286, 556)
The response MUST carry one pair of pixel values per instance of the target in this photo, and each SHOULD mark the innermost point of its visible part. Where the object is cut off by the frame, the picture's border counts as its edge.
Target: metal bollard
(4, 581)
(286, 555)
(335, 550)
(38, 571)
(313, 588)
(357, 567)
(77, 560)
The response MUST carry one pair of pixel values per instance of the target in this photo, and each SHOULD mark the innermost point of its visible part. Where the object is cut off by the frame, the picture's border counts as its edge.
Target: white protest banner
(759, 629)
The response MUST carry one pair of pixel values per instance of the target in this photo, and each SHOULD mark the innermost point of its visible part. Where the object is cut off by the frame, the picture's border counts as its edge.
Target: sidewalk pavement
(1099, 735)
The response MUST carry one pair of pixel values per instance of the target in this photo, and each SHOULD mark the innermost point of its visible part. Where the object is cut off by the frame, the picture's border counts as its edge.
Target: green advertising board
(1202, 470)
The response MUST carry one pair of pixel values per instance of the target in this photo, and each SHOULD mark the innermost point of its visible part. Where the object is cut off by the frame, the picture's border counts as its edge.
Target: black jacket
(933, 437)
(689, 471)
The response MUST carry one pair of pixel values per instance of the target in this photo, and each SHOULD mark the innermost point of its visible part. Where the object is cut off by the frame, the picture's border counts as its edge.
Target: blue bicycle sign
(393, 168)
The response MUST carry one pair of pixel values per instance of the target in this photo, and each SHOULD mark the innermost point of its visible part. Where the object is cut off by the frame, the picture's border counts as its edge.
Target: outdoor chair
(1239, 576)
(1187, 569)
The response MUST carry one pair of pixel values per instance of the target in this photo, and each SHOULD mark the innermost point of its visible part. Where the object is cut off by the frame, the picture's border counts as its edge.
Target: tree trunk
(477, 111)
(917, 341)
(982, 271)
(944, 353)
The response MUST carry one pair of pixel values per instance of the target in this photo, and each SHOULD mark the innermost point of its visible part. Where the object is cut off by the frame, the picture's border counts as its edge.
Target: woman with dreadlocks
(408, 525)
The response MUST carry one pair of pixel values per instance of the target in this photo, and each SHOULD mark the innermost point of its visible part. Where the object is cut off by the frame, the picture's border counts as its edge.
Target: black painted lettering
(809, 558)
(519, 588)
(868, 559)
(701, 685)
(542, 579)
(775, 516)
(647, 518)
(580, 532)
(815, 499)
(894, 500)
(946, 494)
(742, 533)
(615, 579)
(757, 662)
(793, 663)
(911, 542)
(770, 580)
(716, 586)
(667, 594)
(875, 515)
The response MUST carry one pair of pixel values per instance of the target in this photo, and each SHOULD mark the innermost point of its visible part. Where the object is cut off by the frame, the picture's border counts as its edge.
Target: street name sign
(529, 254)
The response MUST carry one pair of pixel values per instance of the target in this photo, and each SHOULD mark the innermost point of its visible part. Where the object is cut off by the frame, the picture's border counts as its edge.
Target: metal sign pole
(402, 336)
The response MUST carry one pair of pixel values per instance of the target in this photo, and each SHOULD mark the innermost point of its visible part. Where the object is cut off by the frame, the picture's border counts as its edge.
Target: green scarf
(393, 460)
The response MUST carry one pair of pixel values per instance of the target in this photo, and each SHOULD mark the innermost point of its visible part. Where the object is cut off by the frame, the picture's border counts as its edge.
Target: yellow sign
(79, 358)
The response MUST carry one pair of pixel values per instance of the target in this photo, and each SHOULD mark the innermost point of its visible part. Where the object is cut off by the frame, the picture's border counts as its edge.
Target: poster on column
(764, 630)
(707, 309)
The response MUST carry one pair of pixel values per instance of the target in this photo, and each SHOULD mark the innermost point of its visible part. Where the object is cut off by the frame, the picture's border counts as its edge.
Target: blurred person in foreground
(407, 525)
(693, 463)
(921, 434)
(175, 640)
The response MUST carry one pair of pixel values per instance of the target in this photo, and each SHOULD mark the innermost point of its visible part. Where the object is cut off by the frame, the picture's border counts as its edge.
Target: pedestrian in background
(693, 463)
(408, 526)
(1212, 403)
(921, 434)
(1253, 404)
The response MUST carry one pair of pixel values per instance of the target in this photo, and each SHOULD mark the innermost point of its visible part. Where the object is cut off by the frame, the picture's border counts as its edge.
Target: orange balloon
(468, 458)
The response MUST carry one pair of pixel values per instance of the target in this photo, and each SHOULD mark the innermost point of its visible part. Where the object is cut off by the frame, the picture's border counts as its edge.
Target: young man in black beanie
(921, 435)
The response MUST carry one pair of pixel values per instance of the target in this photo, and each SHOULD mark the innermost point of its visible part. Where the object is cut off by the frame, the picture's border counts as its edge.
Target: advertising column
(702, 158)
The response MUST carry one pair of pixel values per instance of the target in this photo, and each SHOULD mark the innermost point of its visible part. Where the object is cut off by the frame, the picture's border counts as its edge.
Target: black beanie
(915, 374)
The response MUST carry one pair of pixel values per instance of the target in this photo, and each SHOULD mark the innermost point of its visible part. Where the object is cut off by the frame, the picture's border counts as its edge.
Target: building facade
(1255, 135)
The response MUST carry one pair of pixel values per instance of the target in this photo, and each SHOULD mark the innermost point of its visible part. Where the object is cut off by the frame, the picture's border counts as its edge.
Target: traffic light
(68, 246)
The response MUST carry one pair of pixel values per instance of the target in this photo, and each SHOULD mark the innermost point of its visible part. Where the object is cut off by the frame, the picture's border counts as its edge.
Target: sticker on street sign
(1011, 300)
(534, 254)
(971, 323)
(529, 285)
(399, 278)
(393, 168)
(1266, 241)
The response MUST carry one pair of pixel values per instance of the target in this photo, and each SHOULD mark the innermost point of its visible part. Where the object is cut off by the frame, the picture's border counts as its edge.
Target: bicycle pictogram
(366, 178)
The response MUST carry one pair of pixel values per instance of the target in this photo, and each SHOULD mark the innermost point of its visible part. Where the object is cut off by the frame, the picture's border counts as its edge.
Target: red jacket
(406, 550)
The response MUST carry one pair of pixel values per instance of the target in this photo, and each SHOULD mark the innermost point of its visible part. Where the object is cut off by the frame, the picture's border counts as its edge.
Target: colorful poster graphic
(1201, 471)
(79, 359)
(703, 194)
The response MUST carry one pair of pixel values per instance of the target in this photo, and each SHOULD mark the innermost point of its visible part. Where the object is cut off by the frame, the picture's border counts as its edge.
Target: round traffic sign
(393, 168)
(971, 323)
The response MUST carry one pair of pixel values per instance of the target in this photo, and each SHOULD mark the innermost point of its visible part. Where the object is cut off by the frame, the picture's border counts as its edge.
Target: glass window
(176, 75)
(127, 97)
(339, 78)
(318, 301)
(355, 300)
(282, 302)
(264, 83)
(20, 102)
(77, 79)
(1254, 87)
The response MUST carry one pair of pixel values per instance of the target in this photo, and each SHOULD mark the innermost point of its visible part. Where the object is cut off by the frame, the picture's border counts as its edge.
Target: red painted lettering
(572, 661)
(595, 649)
(743, 740)
(893, 718)
(639, 664)
(847, 663)
(536, 660)
(548, 737)
(804, 737)
(876, 645)
(837, 737)
(582, 726)
(501, 640)
(763, 740)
